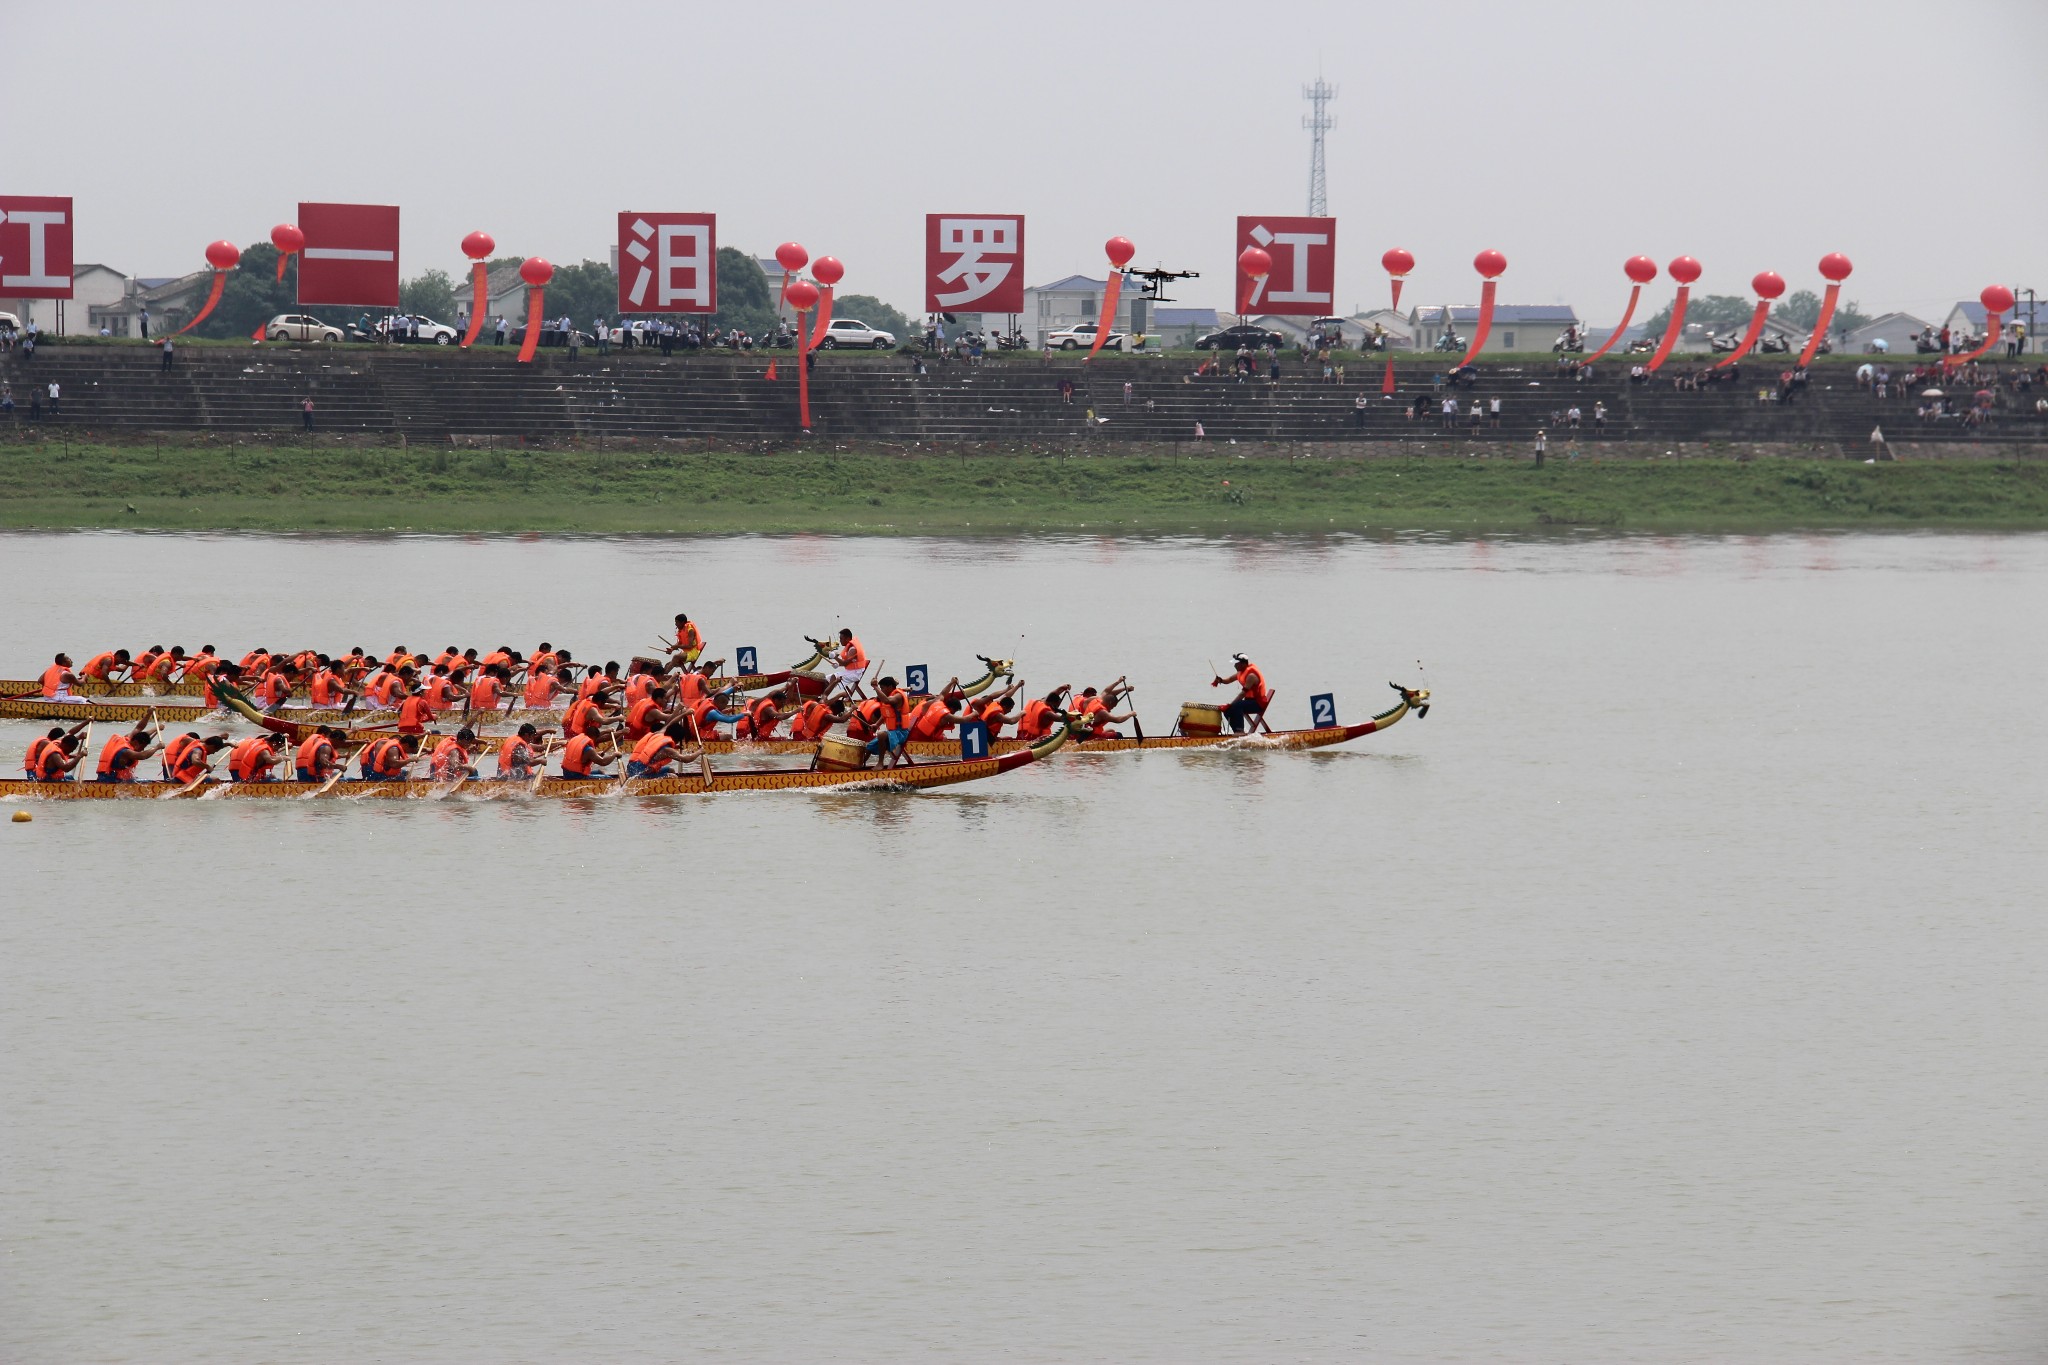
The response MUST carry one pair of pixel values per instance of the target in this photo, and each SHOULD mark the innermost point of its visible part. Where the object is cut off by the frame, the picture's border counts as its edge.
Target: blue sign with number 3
(1322, 710)
(917, 678)
(747, 660)
(973, 739)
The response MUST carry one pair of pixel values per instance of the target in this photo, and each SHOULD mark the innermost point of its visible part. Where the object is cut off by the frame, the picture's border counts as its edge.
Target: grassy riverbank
(345, 488)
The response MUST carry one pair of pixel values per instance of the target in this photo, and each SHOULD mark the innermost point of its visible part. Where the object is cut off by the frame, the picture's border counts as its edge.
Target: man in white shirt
(603, 335)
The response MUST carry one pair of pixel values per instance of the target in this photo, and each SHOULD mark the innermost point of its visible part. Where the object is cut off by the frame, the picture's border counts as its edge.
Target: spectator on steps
(7, 400)
(56, 399)
(1358, 411)
(498, 335)
(167, 355)
(1493, 410)
(1599, 416)
(603, 334)
(306, 412)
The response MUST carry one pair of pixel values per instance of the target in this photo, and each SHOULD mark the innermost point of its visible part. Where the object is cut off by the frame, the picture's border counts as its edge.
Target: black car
(1244, 334)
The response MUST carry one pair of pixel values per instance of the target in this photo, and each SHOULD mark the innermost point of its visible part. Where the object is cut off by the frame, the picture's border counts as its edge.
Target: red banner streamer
(824, 316)
(526, 347)
(1990, 340)
(1482, 327)
(1387, 381)
(1820, 326)
(283, 257)
(1111, 292)
(220, 281)
(1756, 329)
(480, 292)
(803, 379)
(1671, 332)
(1635, 292)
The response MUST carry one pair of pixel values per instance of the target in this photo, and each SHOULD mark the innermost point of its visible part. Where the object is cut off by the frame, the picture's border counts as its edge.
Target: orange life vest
(811, 721)
(639, 717)
(53, 679)
(540, 689)
(851, 655)
(995, 718)
(384, 757)
(439, 692)
(450, 758)
(1036, 722)
(588, 688)
(326, 688)
(689, 637)
(639, 687)
(99, 667)
(415, 713)
(514, 753)
(761, 719)
(692, 687)
(174, 748)
(119, 759)
(579, 756)
(648, 747)
(31, 761)
(316, 756)
(1252, 686)
(931, 719)
(582, 719)
(486, 692)
(189, 762)
(251, 760)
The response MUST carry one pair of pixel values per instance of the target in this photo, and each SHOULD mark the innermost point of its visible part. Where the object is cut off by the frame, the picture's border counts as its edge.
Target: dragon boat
(914, 777)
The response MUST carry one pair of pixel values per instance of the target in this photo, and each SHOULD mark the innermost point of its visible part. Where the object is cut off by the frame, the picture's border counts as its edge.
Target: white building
(1897, 330)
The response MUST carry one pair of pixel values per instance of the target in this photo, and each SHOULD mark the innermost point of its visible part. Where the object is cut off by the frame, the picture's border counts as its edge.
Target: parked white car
(854, 332)
(9, 323)
(1083, 336)
(299, 327)
(413, 327)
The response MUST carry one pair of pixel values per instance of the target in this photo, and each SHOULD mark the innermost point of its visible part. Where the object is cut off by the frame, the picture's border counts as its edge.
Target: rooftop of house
(1561, 314)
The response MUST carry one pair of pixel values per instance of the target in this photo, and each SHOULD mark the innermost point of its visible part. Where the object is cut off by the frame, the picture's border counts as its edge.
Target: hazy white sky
(1752, 134)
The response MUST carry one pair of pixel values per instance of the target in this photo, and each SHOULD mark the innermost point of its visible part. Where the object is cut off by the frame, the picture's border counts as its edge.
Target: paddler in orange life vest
(1252, 694)
(452, 754)
(253, 758)
(583, 755)
(189, 758)
(31, 762)
(517, 756)
(110, 667)
(1093, 714)
(689, 645)
(885, 717)
(813, 718)
(386, 760)
(655, 754)
(763, 714)
(318, 759)
(60, 683)
(852, 659)
(59, 757)
(1040, 714)
(122, 753)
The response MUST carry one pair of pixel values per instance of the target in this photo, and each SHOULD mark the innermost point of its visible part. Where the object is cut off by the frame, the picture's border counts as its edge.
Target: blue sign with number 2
(1322, 710)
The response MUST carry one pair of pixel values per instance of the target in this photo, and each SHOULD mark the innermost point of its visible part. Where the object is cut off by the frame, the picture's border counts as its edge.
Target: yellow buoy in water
(22, 817)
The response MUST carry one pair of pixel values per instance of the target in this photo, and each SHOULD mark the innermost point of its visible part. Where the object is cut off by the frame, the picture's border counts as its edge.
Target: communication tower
(1319, 122)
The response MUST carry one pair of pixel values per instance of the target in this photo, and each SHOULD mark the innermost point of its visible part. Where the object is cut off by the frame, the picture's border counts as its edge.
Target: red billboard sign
(974, 262)
(350, 256)
(1304, 278)
(668, 263)
(35, 247)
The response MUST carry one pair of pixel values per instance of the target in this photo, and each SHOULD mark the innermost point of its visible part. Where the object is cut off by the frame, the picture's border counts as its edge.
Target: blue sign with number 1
(918, 678)
(973, 739)
(747, 660)
(1322, 710)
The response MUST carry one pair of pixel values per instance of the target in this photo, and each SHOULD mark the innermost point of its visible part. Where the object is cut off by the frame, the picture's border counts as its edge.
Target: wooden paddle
(703, 758)
(541, 769)
(342, 771)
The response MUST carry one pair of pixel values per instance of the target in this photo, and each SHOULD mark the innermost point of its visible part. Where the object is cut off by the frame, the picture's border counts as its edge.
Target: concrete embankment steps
(430, 395)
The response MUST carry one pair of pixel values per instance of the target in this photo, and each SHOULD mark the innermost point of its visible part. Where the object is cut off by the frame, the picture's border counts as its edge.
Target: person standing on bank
(306, 412)
(498, 335)
(1358, 411)
(143, 318)
(167, 354)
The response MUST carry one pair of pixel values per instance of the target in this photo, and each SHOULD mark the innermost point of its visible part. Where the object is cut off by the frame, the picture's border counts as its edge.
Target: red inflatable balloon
(1685, 269)
(1835, 266)
(287, 237)
(536, 271)
(828, 270)
(223, 255)
(1996, 299)
(1255, 262)
(1398, 261)
(802, 295)
(1768, 285)
(478, 245)
(1489, 263)
(1120, 250)
(1641, 269)
(791, 256)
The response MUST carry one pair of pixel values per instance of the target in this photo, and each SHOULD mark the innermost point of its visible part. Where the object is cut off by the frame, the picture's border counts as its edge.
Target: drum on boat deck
(1200, 718)
(840, 754)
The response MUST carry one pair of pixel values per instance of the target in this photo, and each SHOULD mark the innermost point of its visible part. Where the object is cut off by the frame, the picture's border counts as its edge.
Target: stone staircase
(434, 395)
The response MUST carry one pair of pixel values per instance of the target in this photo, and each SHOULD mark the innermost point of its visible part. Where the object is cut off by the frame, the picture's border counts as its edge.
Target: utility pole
(1319, 122)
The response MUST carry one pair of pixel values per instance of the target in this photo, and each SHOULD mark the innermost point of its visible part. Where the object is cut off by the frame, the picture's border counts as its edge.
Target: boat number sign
(1322, 710)
(918, 678)
(746, 657)
(973, 739)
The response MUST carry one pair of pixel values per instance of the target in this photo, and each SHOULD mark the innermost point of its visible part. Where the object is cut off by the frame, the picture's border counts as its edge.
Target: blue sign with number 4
(1322, 710)
(917, 678)
(747, 660)
(973, 739)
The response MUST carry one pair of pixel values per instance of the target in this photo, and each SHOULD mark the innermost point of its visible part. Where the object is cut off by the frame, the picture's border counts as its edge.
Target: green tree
(1717, 313)
(252, 296)
(745, 298)
(874, 313)
(1798, 312)
(431, 293)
